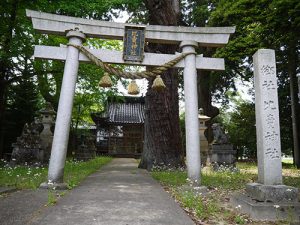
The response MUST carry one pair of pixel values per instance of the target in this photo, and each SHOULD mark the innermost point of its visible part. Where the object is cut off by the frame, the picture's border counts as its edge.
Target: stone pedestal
(86, 150)
(266, 210)
(54, 186)
(272, 193)
(222, 154)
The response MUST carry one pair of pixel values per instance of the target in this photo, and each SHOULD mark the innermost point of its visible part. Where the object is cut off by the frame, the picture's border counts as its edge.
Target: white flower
(50, 182)
(238, 207)
(276, 206)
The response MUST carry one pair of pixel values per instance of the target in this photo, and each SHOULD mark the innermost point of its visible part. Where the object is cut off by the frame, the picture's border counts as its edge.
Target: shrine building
(120, 127)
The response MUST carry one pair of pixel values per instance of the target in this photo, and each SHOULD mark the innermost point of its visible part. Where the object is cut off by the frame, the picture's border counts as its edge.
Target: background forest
(26, 84)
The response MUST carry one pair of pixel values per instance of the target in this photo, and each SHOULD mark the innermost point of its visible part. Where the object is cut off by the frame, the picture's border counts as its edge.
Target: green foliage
(170, 178)
(239, 220)
(202, 207)
(18, 70)
(259, 24)
(18, 95)
(239, 123)
(262, 24)
(24, 177)
(226, 180)
(51, 197)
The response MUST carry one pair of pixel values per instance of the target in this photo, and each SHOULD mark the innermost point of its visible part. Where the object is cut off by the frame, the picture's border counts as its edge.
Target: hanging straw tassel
(132, 88)
(105, 81)
(158, 84)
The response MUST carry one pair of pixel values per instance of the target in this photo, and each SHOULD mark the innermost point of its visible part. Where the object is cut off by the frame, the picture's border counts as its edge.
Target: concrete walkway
(119, 194)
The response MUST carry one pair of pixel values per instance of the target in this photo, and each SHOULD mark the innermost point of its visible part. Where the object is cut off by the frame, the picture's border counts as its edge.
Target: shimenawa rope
(131, 75)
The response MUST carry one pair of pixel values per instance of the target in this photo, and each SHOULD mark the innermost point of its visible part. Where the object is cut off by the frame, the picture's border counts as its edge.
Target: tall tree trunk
(295, 107)
(162, 142)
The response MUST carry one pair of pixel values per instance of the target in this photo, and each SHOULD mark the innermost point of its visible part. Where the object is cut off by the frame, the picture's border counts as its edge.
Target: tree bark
(295, 107)
(162, 139)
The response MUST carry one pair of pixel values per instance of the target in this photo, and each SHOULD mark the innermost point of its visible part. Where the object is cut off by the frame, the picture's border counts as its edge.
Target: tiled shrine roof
(128, 110)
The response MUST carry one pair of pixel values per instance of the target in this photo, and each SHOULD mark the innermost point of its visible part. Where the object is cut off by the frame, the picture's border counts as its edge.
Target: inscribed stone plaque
(267, 118)
(134, 41)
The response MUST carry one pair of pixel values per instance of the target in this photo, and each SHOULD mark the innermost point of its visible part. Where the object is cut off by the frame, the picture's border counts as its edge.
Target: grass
(214, 208)
(26, 177)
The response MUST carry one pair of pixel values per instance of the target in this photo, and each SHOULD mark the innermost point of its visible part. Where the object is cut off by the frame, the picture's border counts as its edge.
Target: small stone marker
(267, 118)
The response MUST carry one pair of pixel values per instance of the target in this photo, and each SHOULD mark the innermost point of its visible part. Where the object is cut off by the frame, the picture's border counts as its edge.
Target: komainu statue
(219, 135)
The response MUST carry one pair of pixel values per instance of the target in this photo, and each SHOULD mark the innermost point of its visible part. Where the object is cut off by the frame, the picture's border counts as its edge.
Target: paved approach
(118, 194)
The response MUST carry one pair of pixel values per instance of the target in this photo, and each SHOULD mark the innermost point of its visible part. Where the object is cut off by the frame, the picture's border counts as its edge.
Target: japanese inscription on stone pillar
(267, 118)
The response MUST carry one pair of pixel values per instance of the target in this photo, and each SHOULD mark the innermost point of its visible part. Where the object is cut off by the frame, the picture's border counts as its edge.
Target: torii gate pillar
(191, 112)
(64, 113)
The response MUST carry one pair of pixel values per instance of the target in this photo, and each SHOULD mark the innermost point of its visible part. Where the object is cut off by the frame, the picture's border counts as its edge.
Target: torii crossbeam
(77, 29)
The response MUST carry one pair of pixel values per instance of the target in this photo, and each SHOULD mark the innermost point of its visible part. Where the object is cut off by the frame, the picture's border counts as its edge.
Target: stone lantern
(204, 147)
(47, 119)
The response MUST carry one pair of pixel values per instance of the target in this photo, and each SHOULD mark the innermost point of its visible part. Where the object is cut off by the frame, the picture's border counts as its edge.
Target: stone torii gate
(77, 30)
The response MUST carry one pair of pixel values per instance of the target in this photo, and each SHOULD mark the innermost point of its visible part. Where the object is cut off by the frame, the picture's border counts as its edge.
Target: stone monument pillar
(64, 112)
(268, 132)
(267, 118)
(191, 112)
(269, 191)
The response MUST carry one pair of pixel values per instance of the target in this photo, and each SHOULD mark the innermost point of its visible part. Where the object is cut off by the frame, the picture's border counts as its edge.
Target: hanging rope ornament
(158, 84)
(133, 88)
(105, 81)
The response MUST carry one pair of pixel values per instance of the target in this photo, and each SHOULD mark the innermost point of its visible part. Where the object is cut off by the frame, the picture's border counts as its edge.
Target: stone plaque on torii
(77, 30)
